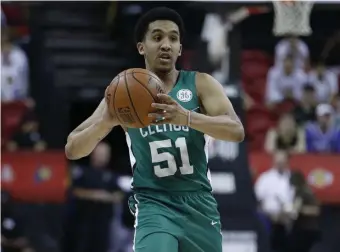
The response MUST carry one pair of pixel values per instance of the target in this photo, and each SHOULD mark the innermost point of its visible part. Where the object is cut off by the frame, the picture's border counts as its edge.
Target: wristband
(189, 118)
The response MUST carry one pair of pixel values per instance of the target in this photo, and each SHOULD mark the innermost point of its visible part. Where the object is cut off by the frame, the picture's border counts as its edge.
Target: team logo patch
(184, 95)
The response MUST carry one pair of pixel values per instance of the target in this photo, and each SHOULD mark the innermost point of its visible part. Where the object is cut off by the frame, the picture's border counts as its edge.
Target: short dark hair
(160, 13)
(297, 179)
(320, 62)
(289, 57)
(308, 87)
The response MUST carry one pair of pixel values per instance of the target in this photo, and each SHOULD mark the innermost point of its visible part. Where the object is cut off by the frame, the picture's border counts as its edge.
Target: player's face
(161, 46)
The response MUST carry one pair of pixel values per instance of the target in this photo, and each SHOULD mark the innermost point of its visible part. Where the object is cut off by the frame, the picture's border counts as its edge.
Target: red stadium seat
(256, 55)
(255, 66)
(258, 120)
(255, 70)
(11, 114)
(257, 142)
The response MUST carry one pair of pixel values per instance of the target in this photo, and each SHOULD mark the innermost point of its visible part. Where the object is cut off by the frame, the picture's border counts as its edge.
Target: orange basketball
(130, 95)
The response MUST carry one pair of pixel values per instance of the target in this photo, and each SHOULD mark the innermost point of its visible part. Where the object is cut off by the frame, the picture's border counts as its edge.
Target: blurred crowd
(298, 96)
(96, 217)
(20, 124)
(288, 207)
(302, 99)
(302, 95)
(308, 98)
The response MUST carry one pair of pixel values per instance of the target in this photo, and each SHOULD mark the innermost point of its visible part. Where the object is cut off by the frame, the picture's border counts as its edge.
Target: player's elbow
(70, 152)
(239, 134)
(234, 133)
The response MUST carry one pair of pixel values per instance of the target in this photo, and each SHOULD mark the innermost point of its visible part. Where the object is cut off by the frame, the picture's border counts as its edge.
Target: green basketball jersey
(168, 157)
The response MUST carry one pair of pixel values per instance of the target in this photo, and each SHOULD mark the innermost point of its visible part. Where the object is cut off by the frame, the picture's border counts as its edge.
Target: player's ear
(140, 48)
(180, 50)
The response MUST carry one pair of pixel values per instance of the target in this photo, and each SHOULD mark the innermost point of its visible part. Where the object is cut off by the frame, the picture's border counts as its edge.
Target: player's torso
(169, 157)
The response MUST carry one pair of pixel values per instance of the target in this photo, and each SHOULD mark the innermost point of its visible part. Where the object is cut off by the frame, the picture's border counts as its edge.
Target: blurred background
(279, 62)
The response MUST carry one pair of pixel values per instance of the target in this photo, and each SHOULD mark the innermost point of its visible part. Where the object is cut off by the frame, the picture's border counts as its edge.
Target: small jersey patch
(184, 95)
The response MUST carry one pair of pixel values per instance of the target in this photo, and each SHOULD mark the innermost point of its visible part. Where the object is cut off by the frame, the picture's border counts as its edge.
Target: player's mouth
(165, 57)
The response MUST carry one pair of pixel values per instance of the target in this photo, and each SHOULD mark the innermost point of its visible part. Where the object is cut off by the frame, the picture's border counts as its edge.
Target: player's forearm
(80, 144)
(219, 127)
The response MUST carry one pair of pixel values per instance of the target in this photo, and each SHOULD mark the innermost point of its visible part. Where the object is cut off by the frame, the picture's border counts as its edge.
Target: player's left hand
(170, 112)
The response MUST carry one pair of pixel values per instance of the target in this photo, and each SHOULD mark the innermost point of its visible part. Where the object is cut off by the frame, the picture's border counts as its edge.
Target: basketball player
(173, 204)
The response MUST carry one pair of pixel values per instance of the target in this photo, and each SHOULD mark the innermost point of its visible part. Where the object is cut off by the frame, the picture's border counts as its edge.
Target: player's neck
(169, 78)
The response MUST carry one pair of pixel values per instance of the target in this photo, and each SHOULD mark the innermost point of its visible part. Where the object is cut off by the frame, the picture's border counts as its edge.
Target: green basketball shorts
(186, 222)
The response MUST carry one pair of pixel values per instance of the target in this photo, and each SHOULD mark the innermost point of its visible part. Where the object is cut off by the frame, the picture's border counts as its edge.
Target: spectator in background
(122, 226)
(275, 197)
(14, 70)
(305, 111)
(215, 32)
(325, 83)
(305, 230)
(331, 50)
(12, 235)
(336, 103)
(322, 136)
(28, 136)
(287, 136)
(93, 195)
(295, 48)
(3, 19)
(284, 83)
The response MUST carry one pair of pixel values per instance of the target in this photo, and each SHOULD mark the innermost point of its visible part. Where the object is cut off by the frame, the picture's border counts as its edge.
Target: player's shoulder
(198, 75)
(204, 78)
(207, 84)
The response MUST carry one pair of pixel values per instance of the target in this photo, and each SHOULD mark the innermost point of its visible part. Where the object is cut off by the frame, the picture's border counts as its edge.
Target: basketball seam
(153, 97)
(131, 101)
(114, 98)
(153, 76)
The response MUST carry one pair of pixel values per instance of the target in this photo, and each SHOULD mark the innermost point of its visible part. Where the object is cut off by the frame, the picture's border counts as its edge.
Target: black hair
(308, 87)
(289, 57)
(297, 178)
(160, 13)
(320, 62)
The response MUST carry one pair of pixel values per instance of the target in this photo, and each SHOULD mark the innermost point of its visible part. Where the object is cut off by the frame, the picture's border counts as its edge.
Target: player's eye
(157, 38)
(174, 38)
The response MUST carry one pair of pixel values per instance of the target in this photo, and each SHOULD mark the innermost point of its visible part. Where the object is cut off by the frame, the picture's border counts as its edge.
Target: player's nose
(165, 46)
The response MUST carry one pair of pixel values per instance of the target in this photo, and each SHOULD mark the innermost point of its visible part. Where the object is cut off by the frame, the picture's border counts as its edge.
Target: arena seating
(11, 115)
(255, 65)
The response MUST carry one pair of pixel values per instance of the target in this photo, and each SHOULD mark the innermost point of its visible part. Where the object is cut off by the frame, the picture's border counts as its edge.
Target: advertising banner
(322, 172)
(34, 177)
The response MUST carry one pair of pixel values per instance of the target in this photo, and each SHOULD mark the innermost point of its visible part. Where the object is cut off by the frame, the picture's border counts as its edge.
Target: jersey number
(171, 169)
